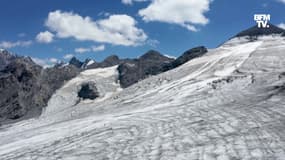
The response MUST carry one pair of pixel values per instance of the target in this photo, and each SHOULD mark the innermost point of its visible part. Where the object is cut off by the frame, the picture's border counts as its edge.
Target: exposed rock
(26, 87)
(108, 62)
(19, 88)
(88, 91)
(132, 71)
(153, 63)
(53, 78)
(75, 62)
(255, 31)
(87, 63)
(5, 58)
(185, 57)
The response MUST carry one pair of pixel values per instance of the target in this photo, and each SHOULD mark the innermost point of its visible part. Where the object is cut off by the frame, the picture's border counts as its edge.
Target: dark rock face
(75, 62)
(88, 91)
(19, 88)
(151, 63)
(53, 78)
(185, 57)
(86, 64)
(5, 58)
(108, 62)
(255, 31)
(26, 87)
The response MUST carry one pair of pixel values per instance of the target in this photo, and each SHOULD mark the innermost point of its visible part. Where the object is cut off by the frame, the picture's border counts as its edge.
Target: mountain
(75, 62)
(227, 103)
(185, 57)
(5, 58)
(86, 64)
(151, 63)
(29, 87)
(108, 62)
(19, 87)
(255, 31)
(26, 87)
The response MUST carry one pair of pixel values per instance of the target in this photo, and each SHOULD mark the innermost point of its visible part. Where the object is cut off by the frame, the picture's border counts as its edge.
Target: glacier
(227, 104)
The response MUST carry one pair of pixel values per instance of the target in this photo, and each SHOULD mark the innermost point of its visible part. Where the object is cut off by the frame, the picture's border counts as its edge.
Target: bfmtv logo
(262, 20)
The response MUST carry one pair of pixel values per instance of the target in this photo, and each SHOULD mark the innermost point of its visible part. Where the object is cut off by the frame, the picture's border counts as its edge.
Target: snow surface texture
(228, 104)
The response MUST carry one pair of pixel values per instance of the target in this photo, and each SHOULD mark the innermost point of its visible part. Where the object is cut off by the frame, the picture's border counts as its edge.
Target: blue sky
(55, 30)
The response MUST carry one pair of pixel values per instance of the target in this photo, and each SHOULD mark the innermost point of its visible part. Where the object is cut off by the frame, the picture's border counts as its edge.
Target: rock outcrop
(255, 31)
(75, 62)
(26, 87)
(19, 87)
(185, 57)
(132, 71)
(5, 58)
(88, 91)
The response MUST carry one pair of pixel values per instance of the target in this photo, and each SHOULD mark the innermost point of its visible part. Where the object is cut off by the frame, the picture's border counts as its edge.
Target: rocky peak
(185, 57)
(112, 60)
(5, 58)
(74, 61)
(151, 54)
(255, 31)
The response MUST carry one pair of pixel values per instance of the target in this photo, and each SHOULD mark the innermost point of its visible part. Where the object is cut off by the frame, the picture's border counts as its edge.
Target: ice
(227, 104)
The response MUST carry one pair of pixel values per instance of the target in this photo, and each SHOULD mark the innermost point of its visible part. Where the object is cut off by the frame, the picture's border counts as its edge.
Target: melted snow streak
(228, 104)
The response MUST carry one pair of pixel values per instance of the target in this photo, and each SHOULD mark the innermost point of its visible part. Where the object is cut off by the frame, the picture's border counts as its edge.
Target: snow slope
(228, 104)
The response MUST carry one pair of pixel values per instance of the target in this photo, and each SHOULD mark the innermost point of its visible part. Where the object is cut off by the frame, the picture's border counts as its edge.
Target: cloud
(58, 49)
(152, 42)
(90, 49)
(283, 1)
(130, 2)
(116, 29)
(98, 48)
(7, 44)
(45, 37)
(186, 13)
(281, 25)
(21, 35)
(82, 50)
(53, 60)
(68, 56)
(48, 62)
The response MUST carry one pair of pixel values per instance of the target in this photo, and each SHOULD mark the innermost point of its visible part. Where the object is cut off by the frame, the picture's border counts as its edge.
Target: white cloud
(58, 49)
(98, 48)
(116, 29)
(82, 50)
(152, 42)
(130, 2)
(186, 13)
(68, 56)
(21, 35)
(7, 44)
(90, 49)
(281, 25)
(48, 62)
(53, 60)
(45, 37)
